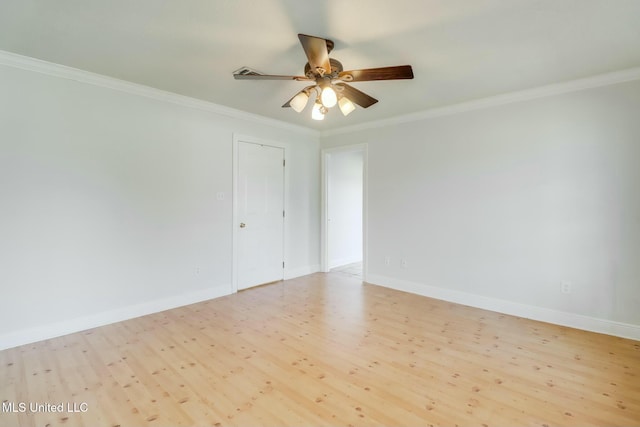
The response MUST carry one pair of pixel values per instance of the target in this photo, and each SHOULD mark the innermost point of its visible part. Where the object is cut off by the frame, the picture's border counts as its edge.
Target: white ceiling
(460, 50)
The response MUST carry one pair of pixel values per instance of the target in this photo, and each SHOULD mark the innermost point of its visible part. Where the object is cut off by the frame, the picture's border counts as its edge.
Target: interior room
(193, 232)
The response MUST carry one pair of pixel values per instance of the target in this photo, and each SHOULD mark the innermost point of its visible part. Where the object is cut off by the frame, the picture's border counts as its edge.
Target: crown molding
(27, 63)
(44, 67)
(493, 101)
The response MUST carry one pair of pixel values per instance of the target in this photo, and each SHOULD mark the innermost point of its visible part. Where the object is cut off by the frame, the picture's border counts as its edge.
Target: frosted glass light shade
(299, 101)
(316, 113)
(328, 97)
(346, 106)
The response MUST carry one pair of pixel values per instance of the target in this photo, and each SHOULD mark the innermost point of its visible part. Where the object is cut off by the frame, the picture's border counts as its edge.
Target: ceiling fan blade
(268, 77)
(306, 89)
(383, 73)
(356, 96)
(317, 53)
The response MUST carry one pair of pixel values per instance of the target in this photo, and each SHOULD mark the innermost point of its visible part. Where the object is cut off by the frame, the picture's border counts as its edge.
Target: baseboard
(301, 271)
(52, 330)
(578, 321)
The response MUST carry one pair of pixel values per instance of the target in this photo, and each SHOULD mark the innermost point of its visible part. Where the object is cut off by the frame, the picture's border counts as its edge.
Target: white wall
(108, 203)
(344, 173)
(108, 207)
(497, 207)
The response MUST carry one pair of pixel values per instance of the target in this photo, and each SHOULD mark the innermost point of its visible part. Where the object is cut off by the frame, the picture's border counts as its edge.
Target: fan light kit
(330, 88)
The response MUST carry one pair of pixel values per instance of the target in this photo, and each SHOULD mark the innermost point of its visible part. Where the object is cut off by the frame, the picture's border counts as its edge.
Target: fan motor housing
(336, 68)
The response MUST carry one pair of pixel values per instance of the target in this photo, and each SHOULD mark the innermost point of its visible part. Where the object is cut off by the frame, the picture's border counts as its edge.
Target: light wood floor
(354, 270)
(326, 350)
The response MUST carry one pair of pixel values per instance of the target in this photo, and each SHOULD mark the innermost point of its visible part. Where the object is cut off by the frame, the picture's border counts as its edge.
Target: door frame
(325, 159)
(237, 139)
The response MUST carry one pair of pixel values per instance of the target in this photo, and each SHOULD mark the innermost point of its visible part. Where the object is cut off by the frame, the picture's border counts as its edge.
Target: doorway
(259, 210)
(344, 214)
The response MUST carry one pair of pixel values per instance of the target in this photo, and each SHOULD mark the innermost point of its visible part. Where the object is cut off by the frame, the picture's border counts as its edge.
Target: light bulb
(328, 97)
(299, 101)
(346, 106)
(317, 113)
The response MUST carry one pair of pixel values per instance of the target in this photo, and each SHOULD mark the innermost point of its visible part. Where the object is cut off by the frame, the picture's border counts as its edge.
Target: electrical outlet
(404, 263)
(565, 287)
(387, 260)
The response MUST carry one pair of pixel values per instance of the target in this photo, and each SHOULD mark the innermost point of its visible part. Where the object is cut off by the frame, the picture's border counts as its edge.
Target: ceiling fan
(330, 79)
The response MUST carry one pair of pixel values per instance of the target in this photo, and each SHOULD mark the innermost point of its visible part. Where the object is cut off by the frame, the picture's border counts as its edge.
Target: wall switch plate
(387, 260)
(404, 263)
(565, 287)
(220, 195)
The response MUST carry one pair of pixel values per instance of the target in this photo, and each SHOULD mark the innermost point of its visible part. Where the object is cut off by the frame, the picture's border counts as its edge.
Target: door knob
(243, 225)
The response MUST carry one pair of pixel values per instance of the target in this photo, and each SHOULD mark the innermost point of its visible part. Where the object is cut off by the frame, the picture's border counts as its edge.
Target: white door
(260, 214)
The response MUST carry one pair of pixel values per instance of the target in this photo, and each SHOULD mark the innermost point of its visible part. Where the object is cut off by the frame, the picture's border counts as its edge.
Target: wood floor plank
(326, 350)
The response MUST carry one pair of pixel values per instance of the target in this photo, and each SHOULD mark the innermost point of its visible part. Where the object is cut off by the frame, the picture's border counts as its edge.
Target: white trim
(493, 101)
(324, 205)
(365, 212)
(52, 330)
(301, 271)
(324, 214)
(14, 60)
(572, 320)
(237, 138)
(43, 67)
